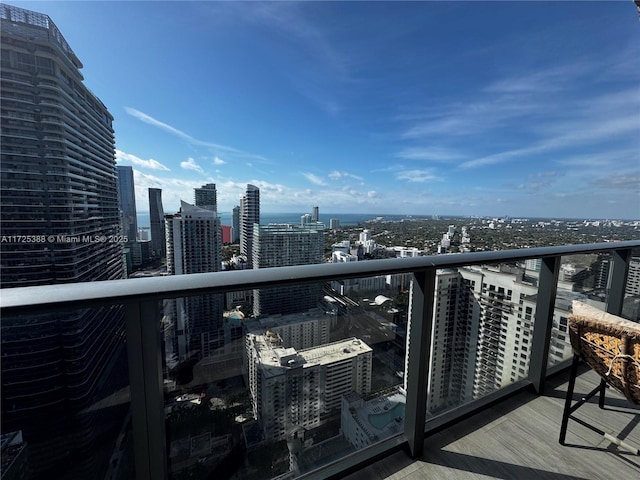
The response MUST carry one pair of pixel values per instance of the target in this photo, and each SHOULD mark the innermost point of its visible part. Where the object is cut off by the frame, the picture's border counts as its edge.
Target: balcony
(510, 430)
(517, 438)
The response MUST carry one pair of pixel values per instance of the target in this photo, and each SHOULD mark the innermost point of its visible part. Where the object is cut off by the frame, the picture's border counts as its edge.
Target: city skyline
(517, 109)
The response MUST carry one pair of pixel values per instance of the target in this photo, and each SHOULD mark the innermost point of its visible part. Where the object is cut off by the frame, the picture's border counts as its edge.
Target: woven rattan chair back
(612, 349)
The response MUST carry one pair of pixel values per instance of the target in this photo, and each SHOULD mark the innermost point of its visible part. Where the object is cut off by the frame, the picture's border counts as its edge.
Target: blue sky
(470, 108)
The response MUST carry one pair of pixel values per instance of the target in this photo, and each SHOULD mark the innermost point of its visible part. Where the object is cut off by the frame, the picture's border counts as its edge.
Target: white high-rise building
(633, 277)
(294, 389)
(194, 246)
(296, 330)
(533, 264)
(249, 216)
(482, 333)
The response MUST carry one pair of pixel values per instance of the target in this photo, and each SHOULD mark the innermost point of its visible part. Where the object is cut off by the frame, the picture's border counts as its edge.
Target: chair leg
(567, 403)
(603, 387)
(569, 409)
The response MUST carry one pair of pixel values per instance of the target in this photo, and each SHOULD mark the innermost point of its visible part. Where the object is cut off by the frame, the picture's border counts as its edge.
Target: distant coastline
(351, 219)
(346, 219)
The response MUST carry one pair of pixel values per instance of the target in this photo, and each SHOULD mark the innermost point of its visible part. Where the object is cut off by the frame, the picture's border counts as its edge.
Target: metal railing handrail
(109, 292)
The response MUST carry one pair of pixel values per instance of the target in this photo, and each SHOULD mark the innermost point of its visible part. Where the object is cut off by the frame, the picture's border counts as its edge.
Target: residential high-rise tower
(58, 184)
(302, 389)
(206, 197)
(249, 216)
(194, 246)
(281, 245)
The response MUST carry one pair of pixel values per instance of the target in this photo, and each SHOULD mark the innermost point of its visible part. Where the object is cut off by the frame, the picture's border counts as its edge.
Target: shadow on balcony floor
(518, 439)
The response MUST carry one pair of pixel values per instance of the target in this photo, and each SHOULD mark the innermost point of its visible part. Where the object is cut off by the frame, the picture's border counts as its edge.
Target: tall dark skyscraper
(156, 220)
(235, 224)
(284, 245)
(58, 184)
(249, 215)
(127, 200)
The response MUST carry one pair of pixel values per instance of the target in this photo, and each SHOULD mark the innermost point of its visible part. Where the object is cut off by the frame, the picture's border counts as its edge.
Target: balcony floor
(518, 439)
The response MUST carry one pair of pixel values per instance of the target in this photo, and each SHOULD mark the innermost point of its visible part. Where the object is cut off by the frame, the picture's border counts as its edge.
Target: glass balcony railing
(291, 372)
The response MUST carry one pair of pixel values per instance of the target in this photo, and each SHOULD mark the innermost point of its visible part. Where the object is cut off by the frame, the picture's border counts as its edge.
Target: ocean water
(346, 219)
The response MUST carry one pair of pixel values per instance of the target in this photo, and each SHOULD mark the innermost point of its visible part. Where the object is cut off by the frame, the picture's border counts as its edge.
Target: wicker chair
(610, 345)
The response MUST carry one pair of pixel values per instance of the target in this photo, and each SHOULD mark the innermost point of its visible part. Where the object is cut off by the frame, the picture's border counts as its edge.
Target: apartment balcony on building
(459, 373)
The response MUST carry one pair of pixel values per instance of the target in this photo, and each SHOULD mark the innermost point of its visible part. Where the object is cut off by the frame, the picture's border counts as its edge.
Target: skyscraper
(156, 220)
(194, 246)
(295, 389)
(249, 215)
(315, 214)
(482, 333)
(281, 245)
(127, 201)
(206, 197)
(235, 225)
(58, 183)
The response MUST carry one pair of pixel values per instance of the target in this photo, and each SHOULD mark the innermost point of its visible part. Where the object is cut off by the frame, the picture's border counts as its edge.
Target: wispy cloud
(218, 161)
(472, 117)
(432, 154)
(601, 159)
(551, 79)
(190, 164)
(148, 119)
(525, 115)
(417, 176)
(150, 163)
(314, 179)
(578, 133)
(336, 175)
(630, 181)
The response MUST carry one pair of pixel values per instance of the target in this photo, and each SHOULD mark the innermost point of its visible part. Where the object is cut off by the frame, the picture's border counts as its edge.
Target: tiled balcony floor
(518, 439)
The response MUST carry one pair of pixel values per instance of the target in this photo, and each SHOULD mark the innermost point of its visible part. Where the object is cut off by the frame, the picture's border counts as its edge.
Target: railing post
(545, 306)
(145, 379)
(617, 280)
(419, 331)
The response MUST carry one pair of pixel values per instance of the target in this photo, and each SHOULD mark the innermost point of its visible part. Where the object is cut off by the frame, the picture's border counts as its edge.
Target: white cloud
(218, 161)
(314, 179)
(191, 164)
(128, 157)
